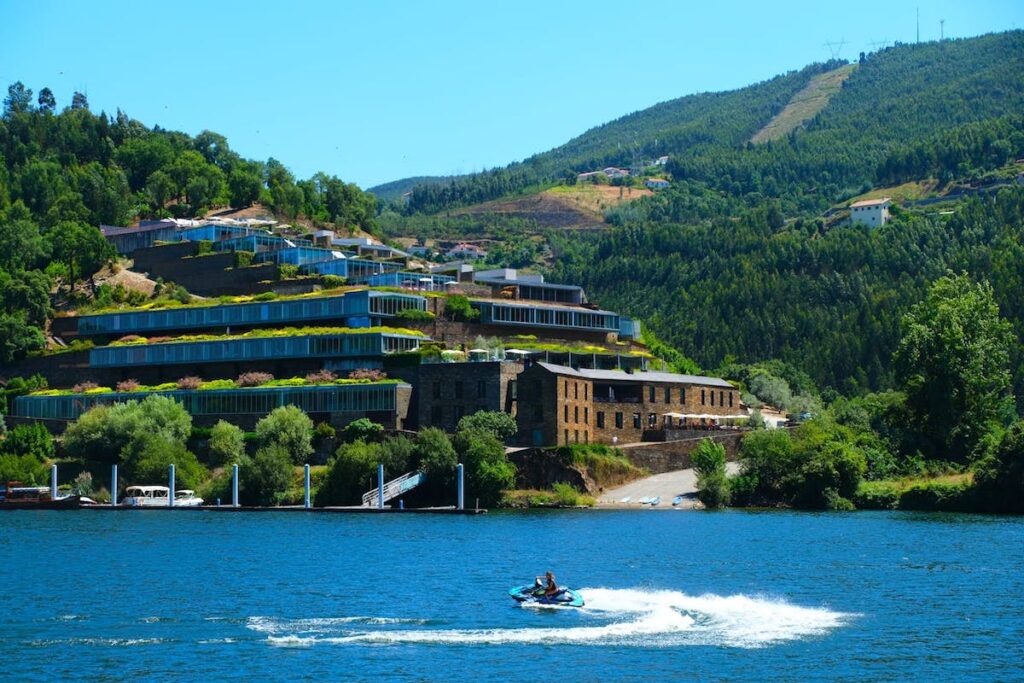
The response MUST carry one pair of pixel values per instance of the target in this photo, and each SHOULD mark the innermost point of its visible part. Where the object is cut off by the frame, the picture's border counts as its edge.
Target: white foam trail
(319, 625)
(630, 617)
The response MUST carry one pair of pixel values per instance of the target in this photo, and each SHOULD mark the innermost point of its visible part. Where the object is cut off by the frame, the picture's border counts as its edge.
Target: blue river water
(744, 596)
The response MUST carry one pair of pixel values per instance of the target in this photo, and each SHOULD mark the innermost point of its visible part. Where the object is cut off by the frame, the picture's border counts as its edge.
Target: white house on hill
(870, 212)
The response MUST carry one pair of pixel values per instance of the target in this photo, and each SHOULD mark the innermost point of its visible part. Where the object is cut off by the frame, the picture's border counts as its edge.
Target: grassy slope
(805, 104)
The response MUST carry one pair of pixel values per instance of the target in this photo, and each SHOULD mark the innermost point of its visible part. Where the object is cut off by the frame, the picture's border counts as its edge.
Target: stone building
(559, 405)
(445, 392)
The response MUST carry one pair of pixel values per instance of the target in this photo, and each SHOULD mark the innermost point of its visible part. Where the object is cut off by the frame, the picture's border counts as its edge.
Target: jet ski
(533, 594)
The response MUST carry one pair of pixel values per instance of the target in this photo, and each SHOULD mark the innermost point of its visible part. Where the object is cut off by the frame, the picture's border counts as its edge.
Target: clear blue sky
(376, 91)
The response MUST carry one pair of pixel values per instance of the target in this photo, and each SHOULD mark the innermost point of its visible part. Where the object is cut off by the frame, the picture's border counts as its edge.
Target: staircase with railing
(394, 488)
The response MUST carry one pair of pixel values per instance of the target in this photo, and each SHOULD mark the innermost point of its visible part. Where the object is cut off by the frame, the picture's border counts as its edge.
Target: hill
(805, 104)
(387, 192)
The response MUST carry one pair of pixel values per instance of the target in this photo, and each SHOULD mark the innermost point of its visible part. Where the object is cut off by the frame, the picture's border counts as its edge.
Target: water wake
(630, 617)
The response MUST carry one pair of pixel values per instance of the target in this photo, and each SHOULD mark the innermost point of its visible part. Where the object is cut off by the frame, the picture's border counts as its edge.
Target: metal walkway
(394, 488)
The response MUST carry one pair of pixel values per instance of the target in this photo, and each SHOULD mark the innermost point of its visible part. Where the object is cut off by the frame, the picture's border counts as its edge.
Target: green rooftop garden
(136, 340)
(211, 385)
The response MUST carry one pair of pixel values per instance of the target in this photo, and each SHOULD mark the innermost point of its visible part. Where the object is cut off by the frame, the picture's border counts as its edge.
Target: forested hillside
(64, 173)
(894, 97)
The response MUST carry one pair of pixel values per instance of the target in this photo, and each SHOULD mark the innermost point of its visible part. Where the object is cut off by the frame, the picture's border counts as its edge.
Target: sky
(382, 90)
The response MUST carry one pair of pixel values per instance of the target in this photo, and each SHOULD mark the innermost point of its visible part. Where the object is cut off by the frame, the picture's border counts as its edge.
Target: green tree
(953, 362)
(712, 485)
(363, 429)
(17, 337)
(351, 474)
(267, 476)
(244, 185)
(434, 454)
(488, 471)
(29, 439)
(82, 248)
(290, 428)
(107, 433)
(500, 424)
(79, 101)
(18, 100)
(999, 475)
(227, 444)
(149, 459)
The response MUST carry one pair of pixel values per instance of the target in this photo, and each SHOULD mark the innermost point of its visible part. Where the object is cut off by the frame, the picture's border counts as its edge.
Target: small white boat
(626, 499)
(159, 496)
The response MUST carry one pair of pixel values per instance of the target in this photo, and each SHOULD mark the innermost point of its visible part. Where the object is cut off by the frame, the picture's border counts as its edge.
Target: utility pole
(918, 24)
(942, 29)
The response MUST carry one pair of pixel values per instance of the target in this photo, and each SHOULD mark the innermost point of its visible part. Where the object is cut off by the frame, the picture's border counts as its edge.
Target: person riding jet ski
(547, 583)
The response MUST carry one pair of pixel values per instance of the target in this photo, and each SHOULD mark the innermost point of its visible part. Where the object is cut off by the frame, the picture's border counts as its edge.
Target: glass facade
(498, 313)
(353, 306)
(353, 269)
(357, 398)
(299, 256)
(407, 280)
(371, 345)
(215, 233)
(259, 242)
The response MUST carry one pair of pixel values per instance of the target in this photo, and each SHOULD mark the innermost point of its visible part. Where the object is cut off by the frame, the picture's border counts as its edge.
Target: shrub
(324, 431)
(128, 385)
(290, 428)
(243, 259)
(253, 379)
(458, 308)
(501, 425)
(29, 439)
(83, 387)
(712, 485)
(267, 476)
(938, 495)
(332, 281)
(190, 382)
(363, 429)
(999, 475)
(321, 377)
(83, 484)
(104, 433)
(351, 473)
(265, 296)
(414, 314)
(227, 444)
(878, 495)
(287, 271)
(27, 469)
(371, 374)
(149, 460)
(488, 471)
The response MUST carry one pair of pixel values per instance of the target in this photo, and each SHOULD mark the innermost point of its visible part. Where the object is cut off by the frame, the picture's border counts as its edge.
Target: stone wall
(675, 455)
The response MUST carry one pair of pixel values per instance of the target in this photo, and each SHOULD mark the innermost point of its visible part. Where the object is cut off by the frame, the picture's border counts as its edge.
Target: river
(744, 596)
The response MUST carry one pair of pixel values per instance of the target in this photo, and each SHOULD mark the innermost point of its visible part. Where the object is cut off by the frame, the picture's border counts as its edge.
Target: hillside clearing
(580, 206)
(805, 104)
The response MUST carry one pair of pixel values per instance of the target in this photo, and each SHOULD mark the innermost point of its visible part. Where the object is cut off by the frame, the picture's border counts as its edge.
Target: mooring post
(53, 482)
(459, 477)
(380, 486)
(307, 486)
(113, 485)
(234, 486)
(170, 487)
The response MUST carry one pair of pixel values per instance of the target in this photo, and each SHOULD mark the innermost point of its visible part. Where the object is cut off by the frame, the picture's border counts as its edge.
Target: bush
(227, 444)
(414, 314)
(287, 271)
(712, 485)
(265, 296)
(149, 461)
(27, 469)
(938, 496)
(501, 425)
(29, 439)
(324, 431)
(289, 427)
(878, 495)
(607, 466)
(266, 477)
(371, 374)
(106, 433)
(128, 385)
(253, 379)
(363, 429)
(999, 474)
(83, 387)
(458, 308)
(351, 474)
(321, 377)
(488, 471)
(189, 383)
(332, 281)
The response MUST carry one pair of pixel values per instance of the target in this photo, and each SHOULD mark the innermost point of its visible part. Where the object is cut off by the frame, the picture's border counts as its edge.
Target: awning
(707, 416)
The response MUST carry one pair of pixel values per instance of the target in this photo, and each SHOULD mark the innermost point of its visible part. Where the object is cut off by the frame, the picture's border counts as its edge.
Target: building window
(565, 411)
(730, 399)
(721, 398)
(586, 392)
(586, 415)
(650, 395)
(567, 395)
(586, 436)
(575, 413)
(458, 390)
(567, 437)
(538, 413)
(576, 436)
(637, 422)
(702, 392)
(575, 389)
(513, 389)
(652, 420)
(600, 420)
(682, 395)
(437, 415)
(618, 420)
(712, 397)
(668, 394)
(437, 390)
(481, 388)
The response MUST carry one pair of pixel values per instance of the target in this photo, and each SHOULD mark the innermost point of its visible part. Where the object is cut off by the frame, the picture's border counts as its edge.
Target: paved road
(667, 485)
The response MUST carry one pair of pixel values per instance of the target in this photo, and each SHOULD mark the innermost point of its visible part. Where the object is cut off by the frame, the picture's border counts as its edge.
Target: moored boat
(159, 496)
(15, 496)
